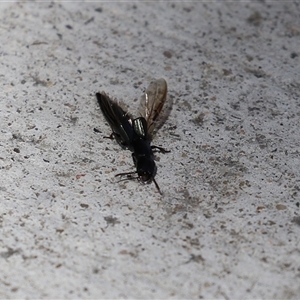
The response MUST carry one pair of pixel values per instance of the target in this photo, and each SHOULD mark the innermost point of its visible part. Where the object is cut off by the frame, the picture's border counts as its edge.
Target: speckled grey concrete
(227, 225)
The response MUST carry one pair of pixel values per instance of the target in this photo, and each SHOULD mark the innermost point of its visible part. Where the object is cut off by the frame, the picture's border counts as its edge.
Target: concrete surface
(228, 224)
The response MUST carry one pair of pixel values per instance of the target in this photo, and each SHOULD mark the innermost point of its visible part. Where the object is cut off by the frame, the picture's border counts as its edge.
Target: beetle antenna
(157, 186)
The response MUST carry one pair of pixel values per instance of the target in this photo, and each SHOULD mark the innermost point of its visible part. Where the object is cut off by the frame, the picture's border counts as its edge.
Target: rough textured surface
(228, 225)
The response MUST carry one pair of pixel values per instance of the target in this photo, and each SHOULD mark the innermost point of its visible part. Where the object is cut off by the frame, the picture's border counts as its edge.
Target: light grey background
(227, 225)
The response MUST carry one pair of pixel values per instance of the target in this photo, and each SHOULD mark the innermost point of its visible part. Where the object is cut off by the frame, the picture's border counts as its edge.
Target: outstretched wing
(119, 120)
(153, 101)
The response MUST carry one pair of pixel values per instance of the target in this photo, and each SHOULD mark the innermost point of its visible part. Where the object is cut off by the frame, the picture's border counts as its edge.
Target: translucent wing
(153, 101)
